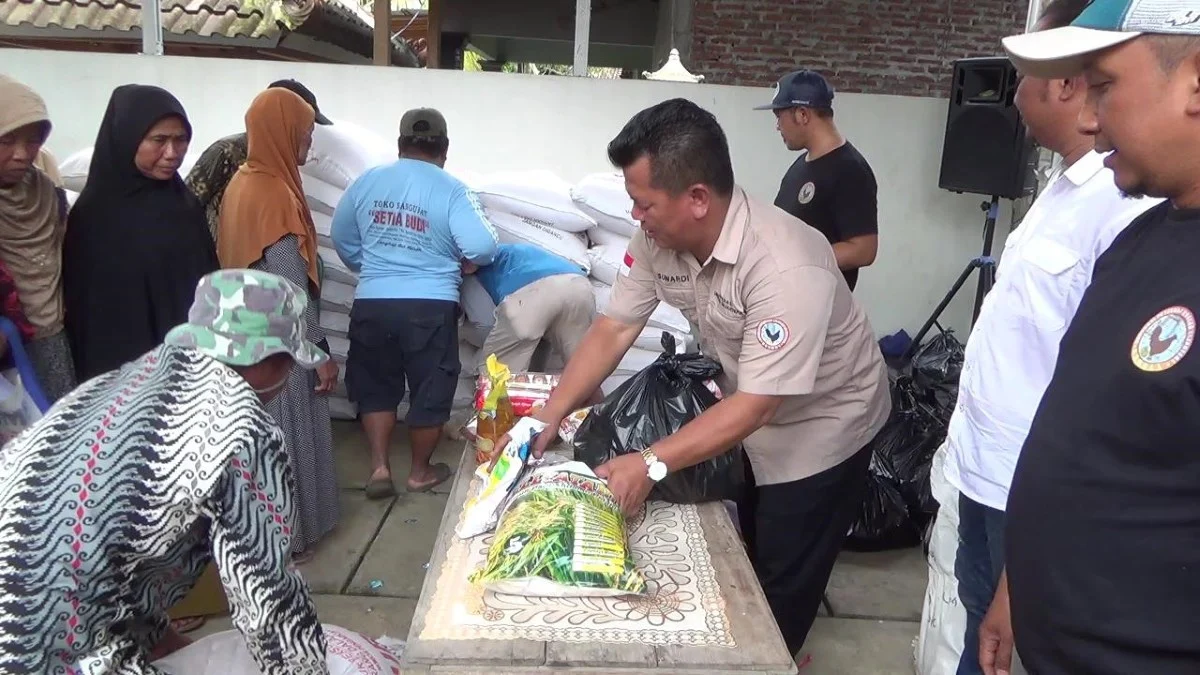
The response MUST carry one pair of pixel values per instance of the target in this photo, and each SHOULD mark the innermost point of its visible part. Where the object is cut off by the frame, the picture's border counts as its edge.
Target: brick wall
(902, 47)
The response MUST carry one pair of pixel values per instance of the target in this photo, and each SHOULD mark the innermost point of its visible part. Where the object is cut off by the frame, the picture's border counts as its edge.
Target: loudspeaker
(986, 150)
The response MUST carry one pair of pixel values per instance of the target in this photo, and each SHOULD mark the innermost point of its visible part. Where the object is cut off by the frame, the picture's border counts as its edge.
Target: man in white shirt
(1045, 268)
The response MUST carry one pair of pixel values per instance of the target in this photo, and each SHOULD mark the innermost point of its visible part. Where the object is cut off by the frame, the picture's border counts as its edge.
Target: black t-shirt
(1103, 533)
(836, 193)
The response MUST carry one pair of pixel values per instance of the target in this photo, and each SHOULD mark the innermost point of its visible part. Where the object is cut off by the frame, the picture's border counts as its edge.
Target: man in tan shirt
(805, 384)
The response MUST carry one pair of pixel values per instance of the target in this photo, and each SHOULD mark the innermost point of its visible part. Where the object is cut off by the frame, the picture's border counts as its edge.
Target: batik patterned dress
(112, 505)
(212, 173)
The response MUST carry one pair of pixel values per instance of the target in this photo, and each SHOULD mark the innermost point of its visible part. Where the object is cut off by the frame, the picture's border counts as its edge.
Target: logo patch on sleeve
(1164, 340)
(773, 334)
(626, 264)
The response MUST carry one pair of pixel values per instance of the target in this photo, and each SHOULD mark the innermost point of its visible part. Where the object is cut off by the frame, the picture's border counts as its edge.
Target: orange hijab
(265, 200)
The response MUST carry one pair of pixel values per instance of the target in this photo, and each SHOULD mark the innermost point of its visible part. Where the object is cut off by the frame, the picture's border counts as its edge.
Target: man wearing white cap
(1103, 517)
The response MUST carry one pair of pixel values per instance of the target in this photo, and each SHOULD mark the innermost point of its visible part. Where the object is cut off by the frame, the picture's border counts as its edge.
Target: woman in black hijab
(137, 240)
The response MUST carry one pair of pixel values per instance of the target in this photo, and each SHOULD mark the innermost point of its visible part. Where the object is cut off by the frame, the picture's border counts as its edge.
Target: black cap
(801, 89)
(423, 123)
(304, 93)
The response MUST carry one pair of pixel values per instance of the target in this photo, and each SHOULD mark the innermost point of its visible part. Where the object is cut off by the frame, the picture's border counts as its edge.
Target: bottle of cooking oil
(496, 418)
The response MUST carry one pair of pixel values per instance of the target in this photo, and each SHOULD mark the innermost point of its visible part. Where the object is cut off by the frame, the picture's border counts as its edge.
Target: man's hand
(628, 481)
(995, 634)
(468, 267)
(326, 377)
(537, 447)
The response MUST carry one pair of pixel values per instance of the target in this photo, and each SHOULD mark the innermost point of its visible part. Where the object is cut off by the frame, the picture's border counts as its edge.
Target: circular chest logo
(772, 334)
(1164, 340)
(807, 191)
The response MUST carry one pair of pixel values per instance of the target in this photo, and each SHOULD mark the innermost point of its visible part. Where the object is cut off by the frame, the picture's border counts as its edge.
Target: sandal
(441, 472)
(381, 488)
(188, 624)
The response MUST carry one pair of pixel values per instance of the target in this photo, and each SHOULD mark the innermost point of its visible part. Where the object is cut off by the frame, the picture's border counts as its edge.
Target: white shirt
(1010, 355)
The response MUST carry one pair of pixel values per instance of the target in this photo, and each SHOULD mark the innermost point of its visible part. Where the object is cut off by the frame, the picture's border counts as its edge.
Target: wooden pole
(433, 37)
(583, 31)
(152, 40)
(383, 32)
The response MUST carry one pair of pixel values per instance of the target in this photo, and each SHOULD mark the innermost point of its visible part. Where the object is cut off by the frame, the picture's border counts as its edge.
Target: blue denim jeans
(977, 566)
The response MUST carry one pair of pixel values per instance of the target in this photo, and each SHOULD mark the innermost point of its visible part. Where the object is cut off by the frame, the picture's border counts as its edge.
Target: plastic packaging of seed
(562, 535)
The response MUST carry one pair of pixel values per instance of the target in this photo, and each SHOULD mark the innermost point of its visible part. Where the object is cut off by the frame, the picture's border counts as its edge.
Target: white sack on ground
(322, 197)
(225, 653)
(939, 644)
(664, 317)
(603, 197)
(606, 262)
(336, 297)
(513, 229)
(339, 347)
(71, 197)
(599, 236)
(342, 151)
(323, 223)
(335, 269)
(74, 169)
(536, 194)
(335, 323)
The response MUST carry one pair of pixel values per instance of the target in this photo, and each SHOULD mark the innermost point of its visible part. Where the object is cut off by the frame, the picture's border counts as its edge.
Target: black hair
(427, 147)
(1061, 13)
(684, 143)
(823, 113)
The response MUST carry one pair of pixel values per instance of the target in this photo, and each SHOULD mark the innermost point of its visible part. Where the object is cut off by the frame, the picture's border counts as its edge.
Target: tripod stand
(986, 265)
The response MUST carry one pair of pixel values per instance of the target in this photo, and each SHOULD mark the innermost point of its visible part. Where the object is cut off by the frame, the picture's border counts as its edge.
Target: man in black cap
(218, 163)
(831, 186)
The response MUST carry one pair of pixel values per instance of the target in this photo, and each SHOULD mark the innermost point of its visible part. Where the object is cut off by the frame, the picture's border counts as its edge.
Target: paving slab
(339, 554)
(860, 647)
(354, 460)
(884, 585)
(399, 556)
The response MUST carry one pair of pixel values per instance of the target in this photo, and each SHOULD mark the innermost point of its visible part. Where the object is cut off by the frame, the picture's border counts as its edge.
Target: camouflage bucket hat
(240, 317)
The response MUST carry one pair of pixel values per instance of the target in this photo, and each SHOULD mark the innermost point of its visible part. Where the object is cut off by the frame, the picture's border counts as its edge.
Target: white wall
(500, 120)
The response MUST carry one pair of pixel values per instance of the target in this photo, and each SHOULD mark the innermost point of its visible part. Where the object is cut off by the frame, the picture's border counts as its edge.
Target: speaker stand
(986, 265)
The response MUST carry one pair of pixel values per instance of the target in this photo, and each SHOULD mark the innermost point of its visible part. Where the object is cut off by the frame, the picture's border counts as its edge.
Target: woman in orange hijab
(265, 224)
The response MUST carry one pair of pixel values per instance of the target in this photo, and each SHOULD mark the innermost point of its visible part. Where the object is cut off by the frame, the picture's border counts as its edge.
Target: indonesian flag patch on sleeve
(627, 264)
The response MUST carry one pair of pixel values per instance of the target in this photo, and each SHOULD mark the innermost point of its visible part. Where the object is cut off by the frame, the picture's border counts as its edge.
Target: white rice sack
(339, 347)
(322, 197)
(335, 269)
(467, 176)
(602, 237)
(71, 197)
(476, 304)
(342, 151)
(225, 653)
(606, 262)
(324, 224)
(335, 323)
(665, 317)
(538, 195)
(603, 197)
(74, 170)
(340, 408)
(513, 229)
(337, 297)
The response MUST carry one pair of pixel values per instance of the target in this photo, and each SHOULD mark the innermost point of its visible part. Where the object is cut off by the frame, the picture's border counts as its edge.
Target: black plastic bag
(652, 405)
(899, 504)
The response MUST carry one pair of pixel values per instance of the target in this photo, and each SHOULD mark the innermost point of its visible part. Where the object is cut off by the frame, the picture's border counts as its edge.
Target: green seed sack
(561, 535)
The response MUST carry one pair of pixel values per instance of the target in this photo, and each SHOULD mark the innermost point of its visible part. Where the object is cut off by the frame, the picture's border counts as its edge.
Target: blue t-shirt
(518, 265)
(405, 227)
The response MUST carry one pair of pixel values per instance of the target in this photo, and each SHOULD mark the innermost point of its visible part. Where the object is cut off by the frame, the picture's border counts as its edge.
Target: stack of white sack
(535, 207)
(74, 170)
(602, 196)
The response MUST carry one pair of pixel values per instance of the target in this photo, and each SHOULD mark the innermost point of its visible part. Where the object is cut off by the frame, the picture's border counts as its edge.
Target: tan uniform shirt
(774, 309)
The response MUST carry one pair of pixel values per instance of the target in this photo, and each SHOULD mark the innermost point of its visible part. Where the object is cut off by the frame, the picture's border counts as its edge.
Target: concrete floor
(367, 575)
